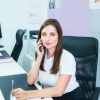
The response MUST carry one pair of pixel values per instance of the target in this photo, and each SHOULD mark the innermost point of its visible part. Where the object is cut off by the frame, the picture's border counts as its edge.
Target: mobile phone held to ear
(41, 47)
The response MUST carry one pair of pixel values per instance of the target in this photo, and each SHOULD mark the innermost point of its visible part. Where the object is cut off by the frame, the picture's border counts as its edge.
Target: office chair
(85, 51)
(18, 45)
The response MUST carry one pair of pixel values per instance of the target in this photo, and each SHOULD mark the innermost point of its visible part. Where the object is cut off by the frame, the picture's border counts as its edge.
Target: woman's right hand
(39, 45)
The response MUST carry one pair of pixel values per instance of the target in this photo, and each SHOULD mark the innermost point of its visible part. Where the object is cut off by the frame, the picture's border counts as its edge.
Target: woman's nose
(47, 37)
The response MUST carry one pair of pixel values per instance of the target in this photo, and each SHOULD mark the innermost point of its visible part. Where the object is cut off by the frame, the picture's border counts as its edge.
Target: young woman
(54, 68)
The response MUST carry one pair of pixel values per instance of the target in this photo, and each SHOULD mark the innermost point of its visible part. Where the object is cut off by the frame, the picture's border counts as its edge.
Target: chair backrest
(85, 50)
(18, 45)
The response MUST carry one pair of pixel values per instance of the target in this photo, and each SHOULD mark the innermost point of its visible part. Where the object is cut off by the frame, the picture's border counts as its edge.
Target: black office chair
(85, 50)
(18, 45)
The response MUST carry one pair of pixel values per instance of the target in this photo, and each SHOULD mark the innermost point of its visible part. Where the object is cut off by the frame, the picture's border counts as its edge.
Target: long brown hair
(58, 50)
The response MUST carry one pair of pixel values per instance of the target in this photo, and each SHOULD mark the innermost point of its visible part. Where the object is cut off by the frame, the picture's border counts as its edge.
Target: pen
(12, 87)
(12, 84)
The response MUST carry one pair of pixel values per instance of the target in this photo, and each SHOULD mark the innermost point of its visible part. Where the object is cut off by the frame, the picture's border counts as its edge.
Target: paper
(1, 95)
(12, 97)
(41, 99)
(6, 60)
(36, 99)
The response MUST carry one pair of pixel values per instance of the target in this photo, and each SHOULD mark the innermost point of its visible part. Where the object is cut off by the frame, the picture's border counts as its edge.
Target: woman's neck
(50, 53)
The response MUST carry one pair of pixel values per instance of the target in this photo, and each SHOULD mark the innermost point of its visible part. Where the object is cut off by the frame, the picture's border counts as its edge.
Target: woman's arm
(56, 91)
(33, 73)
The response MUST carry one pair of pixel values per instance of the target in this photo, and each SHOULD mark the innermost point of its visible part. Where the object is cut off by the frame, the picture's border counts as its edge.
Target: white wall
(21, 14)
(13, 15)
(94, 27)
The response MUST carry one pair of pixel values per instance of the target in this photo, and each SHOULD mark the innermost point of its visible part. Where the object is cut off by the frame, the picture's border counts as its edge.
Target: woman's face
(49, 37)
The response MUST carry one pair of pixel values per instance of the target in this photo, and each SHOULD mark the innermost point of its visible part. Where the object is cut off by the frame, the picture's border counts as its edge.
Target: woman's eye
(52, 34)
(43, 34)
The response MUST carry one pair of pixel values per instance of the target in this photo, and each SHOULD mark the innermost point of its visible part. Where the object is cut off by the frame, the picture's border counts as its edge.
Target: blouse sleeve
(67, 63)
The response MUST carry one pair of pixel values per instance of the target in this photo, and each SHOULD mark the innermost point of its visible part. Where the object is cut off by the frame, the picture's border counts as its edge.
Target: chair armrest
(96, 93)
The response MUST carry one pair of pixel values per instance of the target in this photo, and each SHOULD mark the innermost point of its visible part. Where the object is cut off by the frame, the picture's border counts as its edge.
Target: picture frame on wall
(94, 4)
(54, 4)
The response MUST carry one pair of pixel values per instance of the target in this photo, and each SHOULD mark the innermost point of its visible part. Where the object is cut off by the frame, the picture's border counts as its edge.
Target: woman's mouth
(47, 43)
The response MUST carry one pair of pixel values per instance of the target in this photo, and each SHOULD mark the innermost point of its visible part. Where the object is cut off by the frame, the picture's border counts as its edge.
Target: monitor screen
(0, 32)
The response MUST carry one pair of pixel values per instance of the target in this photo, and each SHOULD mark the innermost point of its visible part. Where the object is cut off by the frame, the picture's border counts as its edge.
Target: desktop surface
(20, 81)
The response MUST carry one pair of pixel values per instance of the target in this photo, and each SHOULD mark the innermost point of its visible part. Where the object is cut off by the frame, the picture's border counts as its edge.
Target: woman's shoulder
(67, 63)
(66, 53)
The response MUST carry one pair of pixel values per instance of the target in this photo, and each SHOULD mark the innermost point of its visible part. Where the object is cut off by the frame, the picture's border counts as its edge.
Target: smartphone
(41, 47)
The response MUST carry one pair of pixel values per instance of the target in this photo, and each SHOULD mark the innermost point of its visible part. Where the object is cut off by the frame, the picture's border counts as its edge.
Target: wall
(76, 19)
(20, 14)
(94, 20)
(13, 15)
(94, 28)
(73, 16)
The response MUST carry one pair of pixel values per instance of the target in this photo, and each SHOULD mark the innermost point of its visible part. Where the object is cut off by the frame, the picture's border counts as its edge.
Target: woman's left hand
(20, 94)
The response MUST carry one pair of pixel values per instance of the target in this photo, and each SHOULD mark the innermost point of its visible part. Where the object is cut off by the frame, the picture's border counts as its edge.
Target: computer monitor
(0, 32)
(1, 37)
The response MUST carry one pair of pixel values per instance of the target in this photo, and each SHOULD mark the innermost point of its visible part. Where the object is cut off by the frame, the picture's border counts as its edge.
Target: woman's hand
(39, 46)
(20, 94)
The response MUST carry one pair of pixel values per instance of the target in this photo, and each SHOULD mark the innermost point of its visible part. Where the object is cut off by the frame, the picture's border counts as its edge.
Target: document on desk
(1, 95)
(6, 60)
(41, 99)
(14, 98)
(11, 68)
(39, 87)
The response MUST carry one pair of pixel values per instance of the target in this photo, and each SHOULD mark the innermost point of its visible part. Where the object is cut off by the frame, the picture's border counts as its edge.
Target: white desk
(12, 68)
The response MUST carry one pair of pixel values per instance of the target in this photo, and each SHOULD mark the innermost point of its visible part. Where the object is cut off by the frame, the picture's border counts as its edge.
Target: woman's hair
(58, 50)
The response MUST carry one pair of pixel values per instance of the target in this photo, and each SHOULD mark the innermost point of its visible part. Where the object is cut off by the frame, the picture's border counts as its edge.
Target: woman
(97, 1)
(54, 67)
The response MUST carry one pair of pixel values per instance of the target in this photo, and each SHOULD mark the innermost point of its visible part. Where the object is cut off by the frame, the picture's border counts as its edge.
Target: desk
(10, 68)
(20, 81)
(12, 71)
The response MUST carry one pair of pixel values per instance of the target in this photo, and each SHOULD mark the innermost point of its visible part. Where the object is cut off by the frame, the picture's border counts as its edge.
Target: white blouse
(67, 66)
